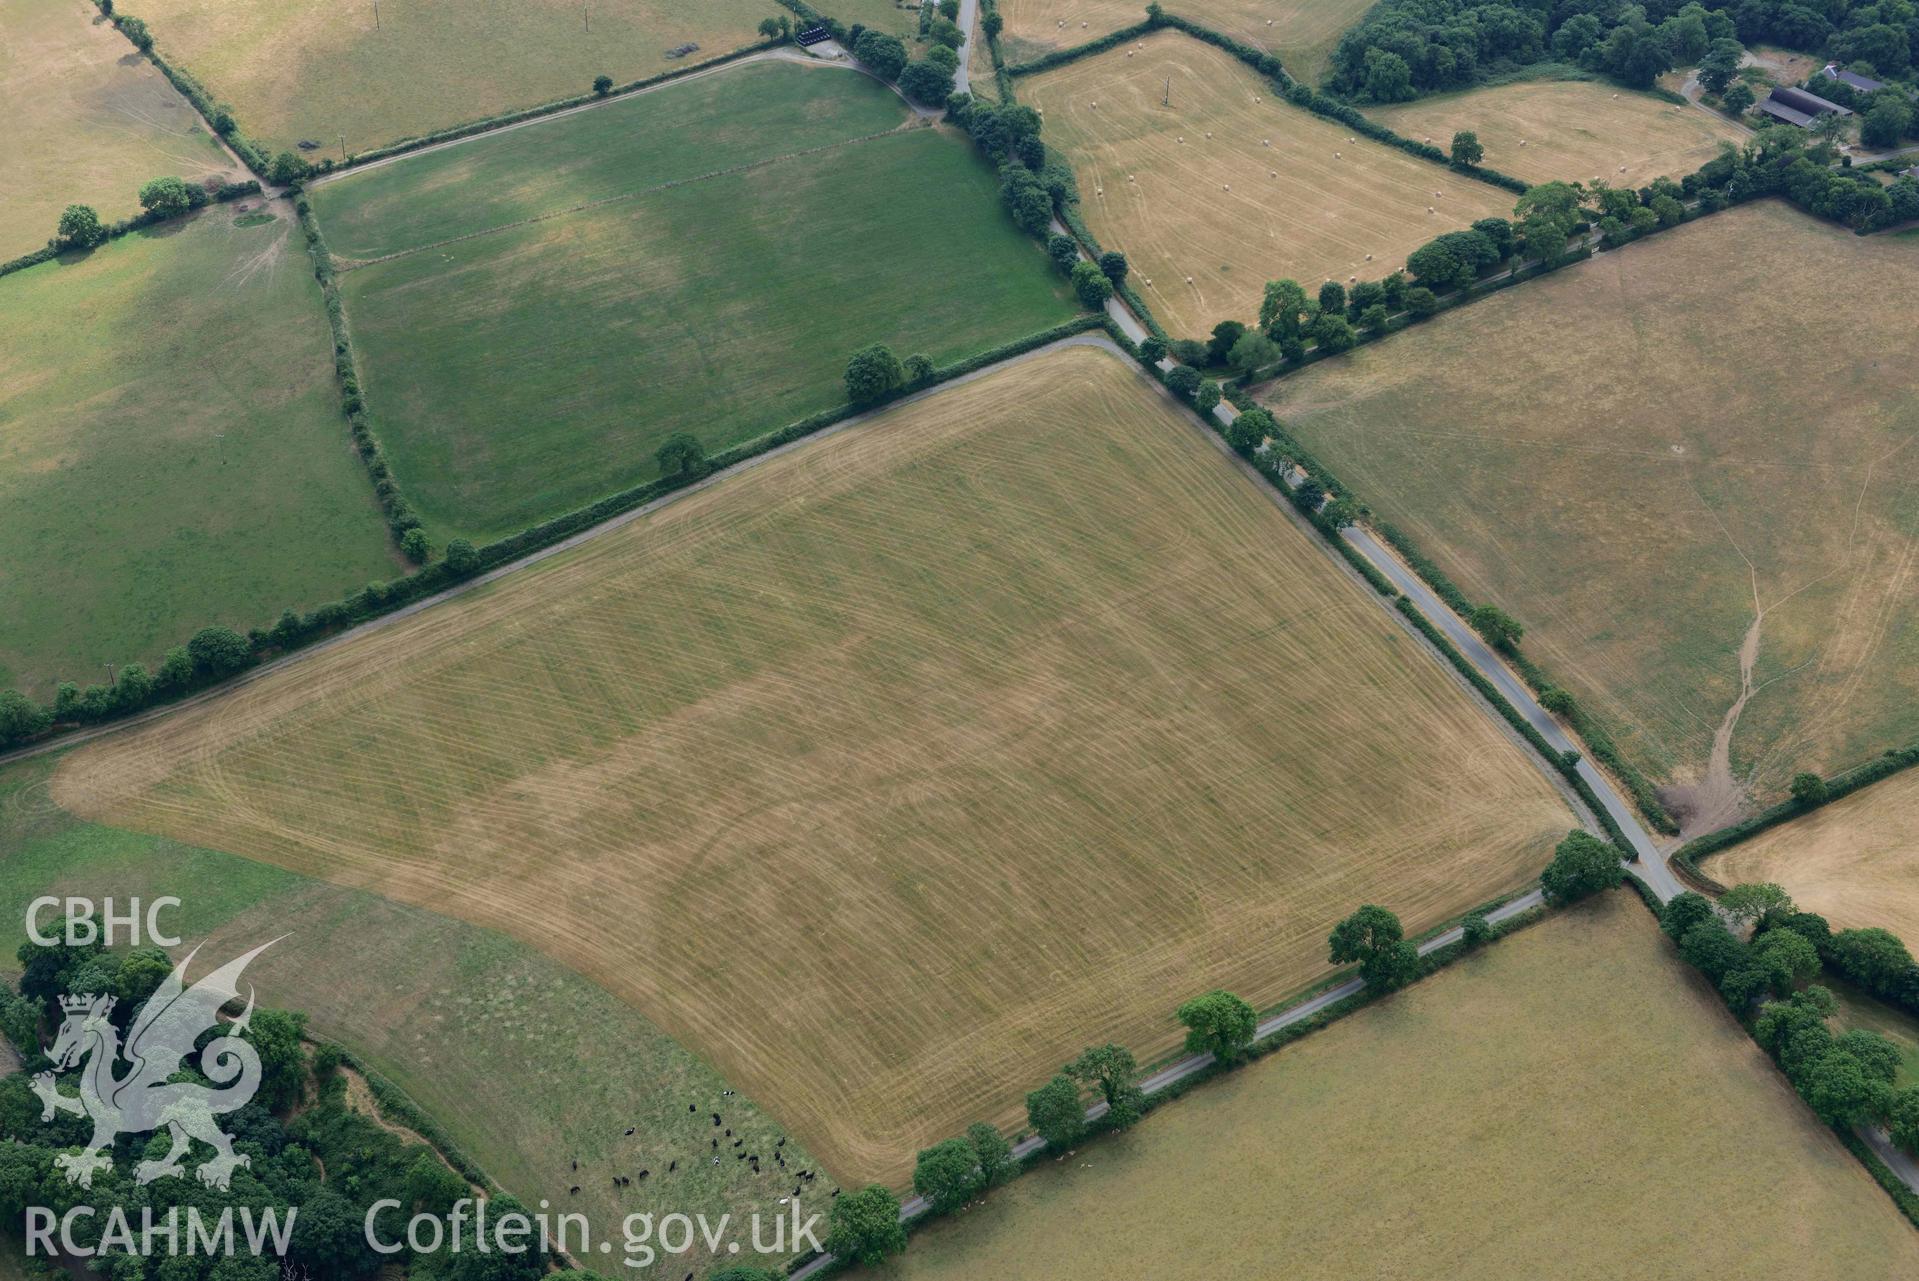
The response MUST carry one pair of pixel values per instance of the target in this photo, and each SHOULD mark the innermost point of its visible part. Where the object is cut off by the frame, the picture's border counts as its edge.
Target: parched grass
(1300, 33)
(1306, 200)
(88, 122)
(173, 454)
(1571, 1102)
(1571, 130)
(1637, 454)
(1855, 861)
(318, 69)
(890, 772)
(534, 369)
(526, 1066)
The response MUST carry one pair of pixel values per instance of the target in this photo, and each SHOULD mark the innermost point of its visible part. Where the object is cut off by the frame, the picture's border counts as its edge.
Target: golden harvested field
(888, 773)
(1300, 33)
(89, 121)
(318, 69)
(1658, 460)
(1573, 130)
(1534, 1111)
(1855, 861)
(1305, 201)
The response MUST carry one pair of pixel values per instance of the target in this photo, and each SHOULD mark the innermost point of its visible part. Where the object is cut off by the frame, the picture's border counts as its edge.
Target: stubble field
(1676, 463)
(173, 454)
(1535, 1110)
(1300, 33)
(1306, 201)
(317, 70)
(525, 1065)
(890, 772)
(88, 122)
(1572, 131)
(636, 282)
(1855, 861)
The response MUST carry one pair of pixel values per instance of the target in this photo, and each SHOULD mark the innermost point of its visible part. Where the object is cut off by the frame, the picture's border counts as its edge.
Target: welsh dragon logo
(144, 1098)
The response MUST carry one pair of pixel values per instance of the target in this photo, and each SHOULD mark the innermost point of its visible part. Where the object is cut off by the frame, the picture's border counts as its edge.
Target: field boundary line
(342, 264)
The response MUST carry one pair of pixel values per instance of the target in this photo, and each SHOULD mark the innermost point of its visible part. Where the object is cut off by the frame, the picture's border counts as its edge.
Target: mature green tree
(1063, 250)
(80, 227)
(1332, 297)
(461, 558)
(1872, 957)
(1738, 98)
(680, 454)
(883, 55)
(1388, 77)
(1787, 959)
(1112, 1070)
(1152, 350)
(991, 1152)
(1683, 911)
(1219, 1024)
(1876, 1054)
(1091, 284)
(1373, 937)
(286, 168)
(1206, 396)
(1557, 701)
(1285, 311)
(132, 687)
(1711, 948)
(1249, 430)
(217, 651)
(1500, 629)
(165, 198)
(1466, 149)
(1220, 345)
(1546, 215)
(135, 30)
(919, 369)
(1374, 319)
(1748, 902)
(415, 547)
(1332, 334)
(20, 718)
(275, 1035)
(947, 1174)
(927, 82)
(1582, 864)
(1841, 1091)
(1720, 65)
(1184, 380)
(1809, 789)
(603, 85)
(1422, 302)
(1056, 1113)
(1113, 263)
(1888, 121)
(864, 1226)
(1476, 930)
(1253, 351)
(431, 1187)
(946, 60)
(873, 374)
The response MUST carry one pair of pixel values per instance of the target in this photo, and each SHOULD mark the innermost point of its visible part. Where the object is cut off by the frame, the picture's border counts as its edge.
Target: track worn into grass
(1571, 131)
(893, 771)
(1307, 199)
(1642, 456)
(1573, 1102)
(88, 122)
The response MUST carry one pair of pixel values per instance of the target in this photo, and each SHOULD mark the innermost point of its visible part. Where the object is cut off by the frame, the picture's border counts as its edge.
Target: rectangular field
(173, 453)
(88, 122)
(1534, 1111)
(1570, 130)
(1300, 33)
(1855, 861)
(1227, 188)
(332, 72)
(888, 773)
(525, 1065)
(536, 368)
(1675, 464)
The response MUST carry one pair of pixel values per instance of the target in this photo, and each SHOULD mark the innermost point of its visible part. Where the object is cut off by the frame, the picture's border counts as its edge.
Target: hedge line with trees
(216, 654)
(1809, 792)
(216, 114)
(80, 227)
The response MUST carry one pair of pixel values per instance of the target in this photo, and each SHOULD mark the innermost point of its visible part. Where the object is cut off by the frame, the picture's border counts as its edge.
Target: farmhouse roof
(1800, 107)
(1863, 84)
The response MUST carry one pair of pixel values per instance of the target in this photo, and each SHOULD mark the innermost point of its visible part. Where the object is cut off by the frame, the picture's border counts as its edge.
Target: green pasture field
(1571, 1099)
(526, 1066)
(87, 122)
(171, 449)
(532, 370)
(347, 72)
(1683, 449)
